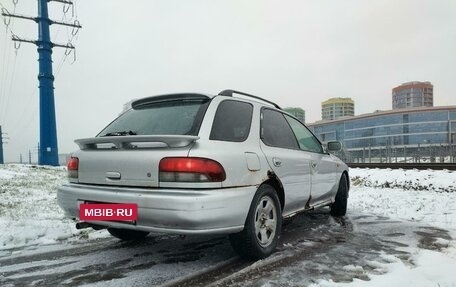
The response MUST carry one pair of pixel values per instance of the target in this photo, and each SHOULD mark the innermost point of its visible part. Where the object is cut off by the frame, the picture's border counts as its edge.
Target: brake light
(73, 167)
(190, 169)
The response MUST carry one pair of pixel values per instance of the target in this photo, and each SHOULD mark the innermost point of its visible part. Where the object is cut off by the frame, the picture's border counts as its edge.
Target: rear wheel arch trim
(275, 183)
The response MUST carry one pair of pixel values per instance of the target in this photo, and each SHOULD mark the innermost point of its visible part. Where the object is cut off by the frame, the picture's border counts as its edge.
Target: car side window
(232, 121)
(306, 140)
(275, 131)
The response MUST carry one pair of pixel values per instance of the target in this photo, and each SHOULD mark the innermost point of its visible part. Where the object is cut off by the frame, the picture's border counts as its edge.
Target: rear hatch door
(128, 151)
(128, 160)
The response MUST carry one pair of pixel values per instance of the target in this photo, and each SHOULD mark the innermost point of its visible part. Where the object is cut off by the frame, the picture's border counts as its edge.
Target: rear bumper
(179, 211)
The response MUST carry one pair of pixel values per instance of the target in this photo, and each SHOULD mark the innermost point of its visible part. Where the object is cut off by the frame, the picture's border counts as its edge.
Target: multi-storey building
(335, 108)
(298, 113)
(413, 94)
(404, 135)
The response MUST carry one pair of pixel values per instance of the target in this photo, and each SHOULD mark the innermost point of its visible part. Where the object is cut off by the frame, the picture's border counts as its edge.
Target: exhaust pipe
(83, 225)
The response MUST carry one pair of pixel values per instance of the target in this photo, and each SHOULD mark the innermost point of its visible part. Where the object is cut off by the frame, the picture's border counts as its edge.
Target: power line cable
(71, 36)
(27, 110)
(63, 19)
(5, 45)
(58, 27)
(26, 120)
(3, 71)
(68, 51)
(10, 90)
(4, 93)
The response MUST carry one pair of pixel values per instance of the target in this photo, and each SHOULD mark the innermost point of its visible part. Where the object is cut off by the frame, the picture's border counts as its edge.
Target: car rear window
(232, 121)
(179, 117)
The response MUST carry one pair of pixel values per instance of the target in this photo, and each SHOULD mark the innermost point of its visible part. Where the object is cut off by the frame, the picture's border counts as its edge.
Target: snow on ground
(431, 269)
(426, 196)
(408, 179)
(29, 214)
(9, 174)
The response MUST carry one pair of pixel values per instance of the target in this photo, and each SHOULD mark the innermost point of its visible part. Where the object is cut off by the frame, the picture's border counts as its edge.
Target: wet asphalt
(313, 247)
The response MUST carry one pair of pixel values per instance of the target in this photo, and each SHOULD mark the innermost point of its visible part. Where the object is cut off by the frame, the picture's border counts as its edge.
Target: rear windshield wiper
(122, 133)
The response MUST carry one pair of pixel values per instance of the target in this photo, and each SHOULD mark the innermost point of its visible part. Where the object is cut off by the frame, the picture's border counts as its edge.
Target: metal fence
(430, 153)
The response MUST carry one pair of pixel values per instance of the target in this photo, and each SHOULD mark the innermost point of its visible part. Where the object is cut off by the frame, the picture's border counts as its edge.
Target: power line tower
(48, 153)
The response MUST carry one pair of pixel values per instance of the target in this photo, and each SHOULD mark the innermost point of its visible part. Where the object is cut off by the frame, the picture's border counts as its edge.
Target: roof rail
(229, 93)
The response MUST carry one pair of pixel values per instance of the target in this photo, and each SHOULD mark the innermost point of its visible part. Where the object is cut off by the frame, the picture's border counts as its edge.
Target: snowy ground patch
(427, 197)
(391, 236)
(29, 214)
(408, 179)
(432, 269)
(401, 200)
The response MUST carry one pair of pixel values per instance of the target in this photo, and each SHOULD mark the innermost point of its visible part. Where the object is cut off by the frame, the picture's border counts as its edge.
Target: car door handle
(276, 161)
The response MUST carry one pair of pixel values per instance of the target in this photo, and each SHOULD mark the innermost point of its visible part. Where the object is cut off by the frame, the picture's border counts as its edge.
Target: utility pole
(48, 152)
(1, 146)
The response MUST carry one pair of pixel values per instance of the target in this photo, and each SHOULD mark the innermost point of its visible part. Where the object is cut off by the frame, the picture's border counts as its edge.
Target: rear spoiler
(168, 98)
(131, 142)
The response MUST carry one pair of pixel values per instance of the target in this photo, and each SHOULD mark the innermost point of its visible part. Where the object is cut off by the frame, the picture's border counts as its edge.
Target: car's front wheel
(262, 227)
(127, 234)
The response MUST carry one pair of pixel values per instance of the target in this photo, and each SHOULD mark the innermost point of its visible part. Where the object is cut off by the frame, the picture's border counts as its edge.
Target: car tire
(127, 234)
(339, 207)
(262, 226)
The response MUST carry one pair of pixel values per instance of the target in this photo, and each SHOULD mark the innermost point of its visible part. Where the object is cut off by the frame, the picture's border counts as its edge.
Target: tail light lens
(190, 169)
(73, 167)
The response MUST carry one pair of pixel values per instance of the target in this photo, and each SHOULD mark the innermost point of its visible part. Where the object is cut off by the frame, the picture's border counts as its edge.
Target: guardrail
(436, 166)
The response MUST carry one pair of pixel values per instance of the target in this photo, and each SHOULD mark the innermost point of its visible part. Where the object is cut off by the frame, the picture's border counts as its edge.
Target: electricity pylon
(48, 153)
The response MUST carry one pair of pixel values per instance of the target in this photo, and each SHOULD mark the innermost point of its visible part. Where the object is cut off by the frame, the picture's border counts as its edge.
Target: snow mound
(411, 179)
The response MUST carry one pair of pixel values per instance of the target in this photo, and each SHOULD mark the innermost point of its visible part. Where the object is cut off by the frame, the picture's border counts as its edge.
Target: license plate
(108, 211)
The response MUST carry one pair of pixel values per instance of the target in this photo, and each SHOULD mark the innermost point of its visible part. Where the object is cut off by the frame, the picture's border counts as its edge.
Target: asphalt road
(314, 246)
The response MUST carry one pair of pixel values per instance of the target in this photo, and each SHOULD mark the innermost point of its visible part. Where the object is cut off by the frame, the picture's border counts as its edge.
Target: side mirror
(334, 146)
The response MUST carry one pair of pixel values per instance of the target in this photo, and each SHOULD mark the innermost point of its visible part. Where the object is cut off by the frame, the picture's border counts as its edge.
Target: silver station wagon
(230, 164)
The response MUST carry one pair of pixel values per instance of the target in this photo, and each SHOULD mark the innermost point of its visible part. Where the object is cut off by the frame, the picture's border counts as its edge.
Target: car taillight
(190, 169)
(73, 167)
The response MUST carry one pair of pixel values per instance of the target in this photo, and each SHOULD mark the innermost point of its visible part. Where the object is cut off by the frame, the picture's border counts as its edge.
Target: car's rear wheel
(127, 234)
(262, 226)
(339, 207)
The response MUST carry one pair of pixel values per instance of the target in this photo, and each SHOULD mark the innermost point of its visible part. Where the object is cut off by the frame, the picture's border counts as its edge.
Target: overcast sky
(296, 53)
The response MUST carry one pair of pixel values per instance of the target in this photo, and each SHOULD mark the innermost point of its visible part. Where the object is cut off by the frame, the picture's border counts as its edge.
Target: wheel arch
(275, 182)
